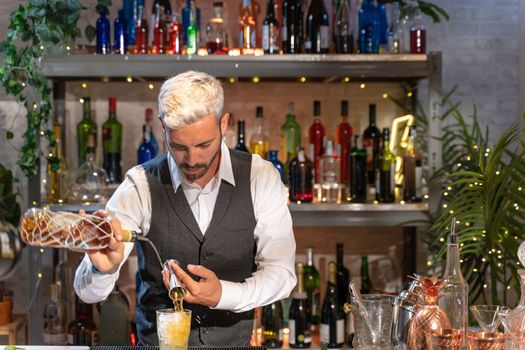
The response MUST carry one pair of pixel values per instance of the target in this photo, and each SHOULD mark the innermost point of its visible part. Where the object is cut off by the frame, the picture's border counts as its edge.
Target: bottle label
(308, 44)
(266, 37)
(70, 339)
(291, 327)
(284, 31)
(324, 333)
(94, 338)
(340, 331)
(325, 37)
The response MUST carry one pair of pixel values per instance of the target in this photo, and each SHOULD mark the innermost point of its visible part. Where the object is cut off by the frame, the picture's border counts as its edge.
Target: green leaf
(90, 32)
(9, 135)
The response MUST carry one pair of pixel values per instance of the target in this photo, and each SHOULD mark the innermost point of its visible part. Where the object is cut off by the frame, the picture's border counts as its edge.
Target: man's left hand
(206, 291)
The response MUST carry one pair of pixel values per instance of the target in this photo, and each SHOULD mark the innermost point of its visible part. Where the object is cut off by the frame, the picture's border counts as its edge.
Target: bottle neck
(87, 110)
(240, 133)
(364, 266)
(332, 276)
(309, 257)
(300, 282)
(339, 255)
(453, 264)
(270, 9)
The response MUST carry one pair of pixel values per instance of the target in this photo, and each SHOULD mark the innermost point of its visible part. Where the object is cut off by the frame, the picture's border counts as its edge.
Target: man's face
(196, 147)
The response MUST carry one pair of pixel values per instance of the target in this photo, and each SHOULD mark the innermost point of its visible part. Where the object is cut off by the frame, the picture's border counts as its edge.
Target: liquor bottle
(230, 136)
(152, 18)
(120, 36)
(149, 124)
(131, 13)
(409, 168)
(56, 168)
(159, 34)
(358, 172)
(82, 330)
(193, 31)
(366, 282)
(383, 27)
(273, 158)
(418, 35)
(395, 32)
(187, 18)
(103, 33)
(141, 32)
(298, 322)
(175, 36)
(54, 319)
(342, 282)
(62, 277)
(292, 34)
(453, 298)
(272, 324)
(344, 140)
(312, 286)
(114, 320)
(369, 28)
(301, 174)
(386, 170)
(316, 140)
(332, 332)
(344, 29)
(146, 151)
(241, 146)
(317, 28)
(259, 143)
(330, 175)
(89, 180)
(215, 32)
(371, 138)
(270, 31)
(247, 35)
(86, 127)
(112, 144)
(290, 138)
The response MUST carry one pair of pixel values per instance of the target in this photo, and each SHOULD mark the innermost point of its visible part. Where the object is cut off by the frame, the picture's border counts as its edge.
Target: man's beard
(204, 167)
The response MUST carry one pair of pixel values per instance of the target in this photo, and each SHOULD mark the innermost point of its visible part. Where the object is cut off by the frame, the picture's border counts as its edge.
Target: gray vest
(227, 248)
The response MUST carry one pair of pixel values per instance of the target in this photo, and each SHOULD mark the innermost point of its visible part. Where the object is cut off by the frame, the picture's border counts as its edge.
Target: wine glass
(514, 323)
(487, 316)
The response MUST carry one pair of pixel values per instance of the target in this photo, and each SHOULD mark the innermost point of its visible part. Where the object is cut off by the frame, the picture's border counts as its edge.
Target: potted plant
(483, 189)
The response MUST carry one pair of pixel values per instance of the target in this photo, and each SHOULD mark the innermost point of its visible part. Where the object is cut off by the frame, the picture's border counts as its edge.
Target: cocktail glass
(173, 329)
(487, 316)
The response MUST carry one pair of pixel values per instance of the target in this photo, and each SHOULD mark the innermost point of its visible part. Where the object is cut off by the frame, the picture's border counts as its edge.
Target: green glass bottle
(290, 138)
(193, 32)
(312, 286)
(87, 126)
(366, 282)
(112, 143)
(385, 171)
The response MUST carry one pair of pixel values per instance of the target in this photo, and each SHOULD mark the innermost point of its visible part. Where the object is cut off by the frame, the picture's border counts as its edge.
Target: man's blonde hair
(189, 97)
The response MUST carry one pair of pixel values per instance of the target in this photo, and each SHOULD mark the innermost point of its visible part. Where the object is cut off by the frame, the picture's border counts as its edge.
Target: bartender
(222, 214)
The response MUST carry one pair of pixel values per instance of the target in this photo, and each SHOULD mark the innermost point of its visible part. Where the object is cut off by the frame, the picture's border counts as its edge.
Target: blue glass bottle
(120, 38)
(274, 159)
(146, 150)
(186, 19)
(149, 125)
(369, 28)
(130, 13)
(383, 25)
(103, 36)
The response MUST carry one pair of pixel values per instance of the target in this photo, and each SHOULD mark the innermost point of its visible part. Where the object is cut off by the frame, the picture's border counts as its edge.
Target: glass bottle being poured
(45, 228)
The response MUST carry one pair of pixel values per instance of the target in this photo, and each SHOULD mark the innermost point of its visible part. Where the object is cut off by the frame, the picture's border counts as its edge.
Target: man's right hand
(108, 260)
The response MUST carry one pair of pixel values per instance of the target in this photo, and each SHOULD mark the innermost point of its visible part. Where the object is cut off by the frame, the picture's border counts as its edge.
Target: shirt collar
(225, 169)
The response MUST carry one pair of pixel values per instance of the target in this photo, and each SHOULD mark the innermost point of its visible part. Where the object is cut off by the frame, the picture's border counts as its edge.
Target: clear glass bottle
(418, 37)
(330, 169)
(395, 31)
(453, 298)
(89, 182)
(344, 29)
(215, 32)
(175, 36)
(247, 35)
(141, 32)
(230, 136)
(54, 332)
(259, 143)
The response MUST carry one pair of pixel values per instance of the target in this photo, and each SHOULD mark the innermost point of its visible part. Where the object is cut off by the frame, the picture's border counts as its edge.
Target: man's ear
(224, 122)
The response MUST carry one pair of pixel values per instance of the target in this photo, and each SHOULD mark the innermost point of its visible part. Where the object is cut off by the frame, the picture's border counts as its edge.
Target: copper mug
(445, 339)
(486, 341)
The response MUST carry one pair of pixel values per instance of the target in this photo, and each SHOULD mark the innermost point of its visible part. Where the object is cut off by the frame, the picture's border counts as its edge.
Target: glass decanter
(429, 317)
(514, 320)
(89, 182)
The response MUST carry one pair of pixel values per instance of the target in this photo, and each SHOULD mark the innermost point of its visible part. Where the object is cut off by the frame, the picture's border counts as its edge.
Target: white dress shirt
(273, 234)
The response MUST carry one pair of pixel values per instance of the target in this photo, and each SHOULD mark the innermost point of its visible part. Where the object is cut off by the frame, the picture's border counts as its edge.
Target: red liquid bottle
(175, 37)
(344, 141)
(159, 34)
(301, 179)
(316, 136)
(141, 33)
(418, 35)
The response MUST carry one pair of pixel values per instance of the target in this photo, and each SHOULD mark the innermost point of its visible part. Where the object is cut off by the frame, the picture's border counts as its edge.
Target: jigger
(176, 291)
